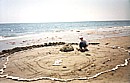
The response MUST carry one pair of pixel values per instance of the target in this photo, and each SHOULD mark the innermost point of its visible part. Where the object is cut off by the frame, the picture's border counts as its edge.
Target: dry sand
(38, 62)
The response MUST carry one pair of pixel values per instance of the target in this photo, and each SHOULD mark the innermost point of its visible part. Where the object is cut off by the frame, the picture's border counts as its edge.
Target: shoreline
(66, 36)
(31, 58)
(2, 38)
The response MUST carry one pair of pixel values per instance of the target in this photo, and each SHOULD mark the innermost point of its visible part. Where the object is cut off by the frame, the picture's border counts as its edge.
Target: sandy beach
(106, 62)
(70, 36)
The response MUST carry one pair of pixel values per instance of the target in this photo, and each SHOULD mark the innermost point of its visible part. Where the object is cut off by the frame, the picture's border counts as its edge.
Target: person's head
(81, 37)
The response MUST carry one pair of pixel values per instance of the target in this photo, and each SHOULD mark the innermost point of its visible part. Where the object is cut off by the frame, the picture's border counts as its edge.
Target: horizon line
(62, 21)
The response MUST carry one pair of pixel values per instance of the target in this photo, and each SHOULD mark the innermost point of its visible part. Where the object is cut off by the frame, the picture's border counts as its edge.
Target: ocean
(22, 29)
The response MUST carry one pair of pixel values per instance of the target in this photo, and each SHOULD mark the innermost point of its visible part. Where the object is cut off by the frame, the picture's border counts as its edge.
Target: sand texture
(105, 62)
(38, 62)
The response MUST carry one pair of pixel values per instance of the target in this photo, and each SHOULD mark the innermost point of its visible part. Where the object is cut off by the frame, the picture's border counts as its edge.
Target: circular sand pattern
(39, 62)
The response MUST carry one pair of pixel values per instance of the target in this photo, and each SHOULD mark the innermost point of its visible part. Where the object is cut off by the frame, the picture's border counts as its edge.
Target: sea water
(26, 34)
(22, 29)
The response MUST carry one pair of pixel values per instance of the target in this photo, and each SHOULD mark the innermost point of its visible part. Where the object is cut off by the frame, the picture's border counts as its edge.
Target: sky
(34, 11)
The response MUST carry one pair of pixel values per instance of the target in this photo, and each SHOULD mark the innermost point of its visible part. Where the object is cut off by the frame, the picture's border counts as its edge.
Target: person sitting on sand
(83, 44)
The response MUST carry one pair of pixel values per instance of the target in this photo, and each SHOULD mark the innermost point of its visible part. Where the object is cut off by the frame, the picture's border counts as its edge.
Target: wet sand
(66, 36)
(107, 62)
